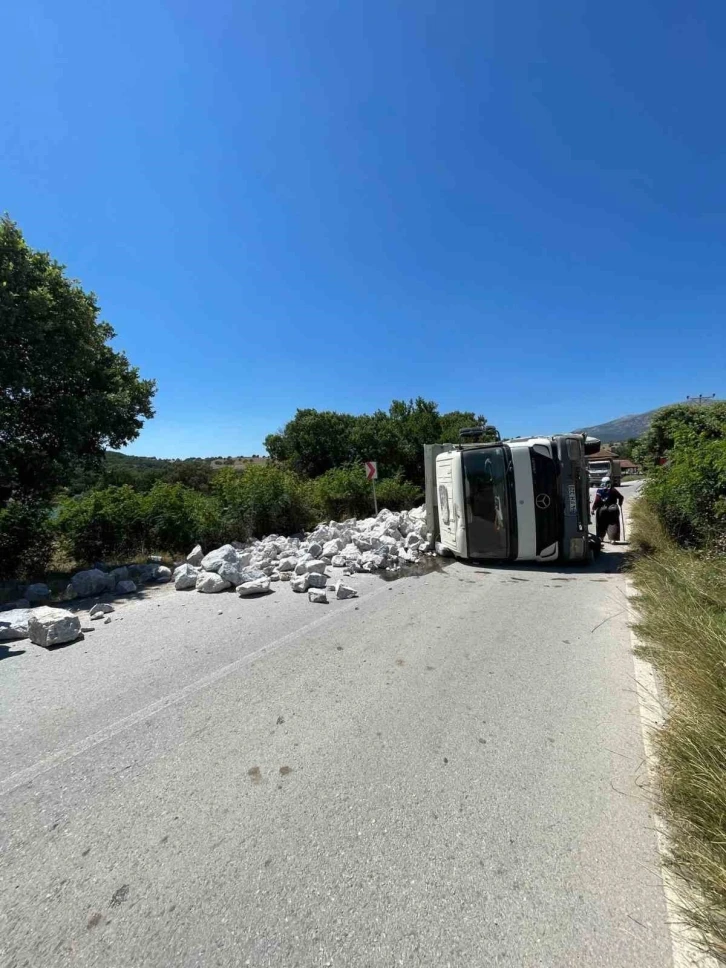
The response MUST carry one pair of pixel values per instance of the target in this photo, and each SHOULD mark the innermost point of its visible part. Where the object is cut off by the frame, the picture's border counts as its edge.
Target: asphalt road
(444, 772)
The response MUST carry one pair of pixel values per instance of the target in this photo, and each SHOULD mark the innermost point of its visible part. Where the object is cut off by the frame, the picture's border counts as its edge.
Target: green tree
(457, 420)
(65, 394)
(703, 421)
(193, 472)
(417, 423)
(625, 448)
(375, 437)
(313, 441)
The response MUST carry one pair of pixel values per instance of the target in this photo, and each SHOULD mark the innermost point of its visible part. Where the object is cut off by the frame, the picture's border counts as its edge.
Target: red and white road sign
(371, 467)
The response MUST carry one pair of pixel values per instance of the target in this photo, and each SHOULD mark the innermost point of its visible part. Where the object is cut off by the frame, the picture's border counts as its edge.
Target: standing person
(606, 508)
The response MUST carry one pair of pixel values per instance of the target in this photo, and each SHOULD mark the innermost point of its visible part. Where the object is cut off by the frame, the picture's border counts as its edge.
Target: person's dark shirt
(606, 496)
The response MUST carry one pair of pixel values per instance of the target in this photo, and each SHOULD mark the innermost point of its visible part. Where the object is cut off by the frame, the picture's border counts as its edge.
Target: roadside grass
(682, 607)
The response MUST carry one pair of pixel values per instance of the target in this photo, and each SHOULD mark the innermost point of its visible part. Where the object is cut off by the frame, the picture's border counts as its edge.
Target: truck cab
(524, 499)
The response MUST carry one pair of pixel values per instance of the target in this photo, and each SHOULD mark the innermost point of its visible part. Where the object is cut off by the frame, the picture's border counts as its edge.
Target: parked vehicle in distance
(598, 469)
(525, 499)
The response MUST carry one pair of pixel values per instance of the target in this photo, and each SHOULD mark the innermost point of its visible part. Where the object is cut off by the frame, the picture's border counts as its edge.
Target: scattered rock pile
(306, 562)
(385, 542)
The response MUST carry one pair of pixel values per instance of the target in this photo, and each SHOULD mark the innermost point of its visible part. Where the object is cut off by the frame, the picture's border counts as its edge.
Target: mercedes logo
(542, 501)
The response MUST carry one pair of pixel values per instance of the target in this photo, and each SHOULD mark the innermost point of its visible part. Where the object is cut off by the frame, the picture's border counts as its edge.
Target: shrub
(26, 539)
(211, 529)
(117, 522)
(262, 499)
(176, 518)
(689, 493)
(344, 492)
(398, 495)
(707, 422)
(107, 523)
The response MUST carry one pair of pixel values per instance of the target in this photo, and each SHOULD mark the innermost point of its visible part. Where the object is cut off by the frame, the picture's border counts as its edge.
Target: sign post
(371, 469)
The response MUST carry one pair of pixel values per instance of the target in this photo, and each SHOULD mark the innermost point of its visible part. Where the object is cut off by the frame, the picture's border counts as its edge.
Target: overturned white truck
(524, 499)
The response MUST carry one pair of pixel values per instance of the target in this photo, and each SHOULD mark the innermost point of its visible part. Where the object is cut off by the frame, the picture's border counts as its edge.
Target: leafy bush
(263, 499)
(114, 523)
(107, 523)
(398, 495)
(705, 422)
(211, 527)
(26, 539)
(175, 518)
(344, 492)
(689, 493)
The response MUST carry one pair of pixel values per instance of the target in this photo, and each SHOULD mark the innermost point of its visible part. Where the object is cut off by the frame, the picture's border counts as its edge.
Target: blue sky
(512, 207)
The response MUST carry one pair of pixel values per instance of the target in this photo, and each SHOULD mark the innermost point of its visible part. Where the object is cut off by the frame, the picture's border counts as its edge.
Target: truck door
(448, 475)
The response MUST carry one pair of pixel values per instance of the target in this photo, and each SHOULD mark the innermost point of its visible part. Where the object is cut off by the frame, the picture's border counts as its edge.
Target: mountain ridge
(630, 425)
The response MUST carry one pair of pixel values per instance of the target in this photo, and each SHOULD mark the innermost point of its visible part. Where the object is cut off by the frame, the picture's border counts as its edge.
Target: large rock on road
(52, 626)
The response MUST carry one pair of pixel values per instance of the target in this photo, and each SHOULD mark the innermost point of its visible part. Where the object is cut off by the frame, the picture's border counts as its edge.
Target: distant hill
(631, 425)
(114, 458)
(622, 428)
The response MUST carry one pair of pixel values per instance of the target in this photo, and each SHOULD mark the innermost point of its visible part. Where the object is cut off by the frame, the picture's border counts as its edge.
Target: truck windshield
(487, 511)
